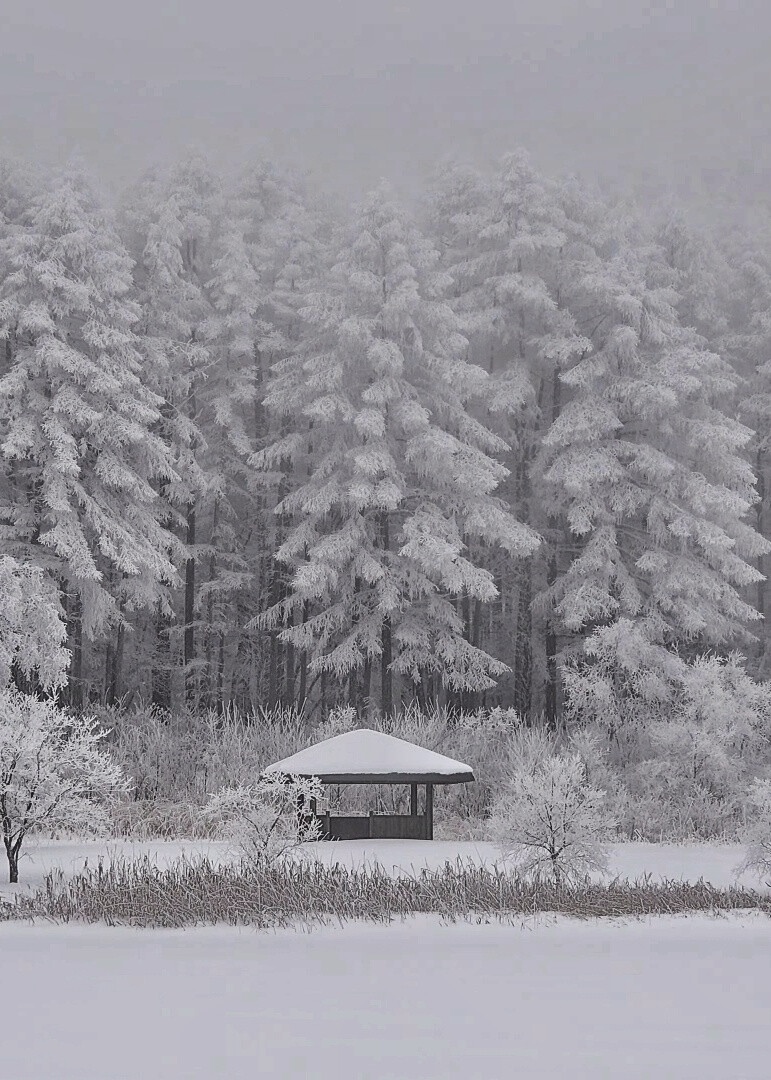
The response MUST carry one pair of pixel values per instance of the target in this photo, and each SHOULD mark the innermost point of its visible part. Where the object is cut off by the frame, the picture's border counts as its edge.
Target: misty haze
(385, 534)
(676, 91)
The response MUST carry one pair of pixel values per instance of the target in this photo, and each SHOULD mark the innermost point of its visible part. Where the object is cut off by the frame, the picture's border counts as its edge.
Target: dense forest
(271, 453)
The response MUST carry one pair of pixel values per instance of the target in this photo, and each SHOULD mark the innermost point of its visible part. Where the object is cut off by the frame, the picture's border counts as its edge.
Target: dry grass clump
(159, 819)
(291, 893)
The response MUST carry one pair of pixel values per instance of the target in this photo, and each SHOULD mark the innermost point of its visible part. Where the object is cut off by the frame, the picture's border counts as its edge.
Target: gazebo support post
(414, 800)
(429, 811)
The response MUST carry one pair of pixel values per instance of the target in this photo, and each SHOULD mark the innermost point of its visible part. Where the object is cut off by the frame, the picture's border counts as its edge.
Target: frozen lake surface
(675, 998)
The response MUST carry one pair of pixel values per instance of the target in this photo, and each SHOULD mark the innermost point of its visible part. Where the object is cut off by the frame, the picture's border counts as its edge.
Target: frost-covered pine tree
(78, 443)
(647, 469)
(700, 274)
(228, 402)
(509, 242)
(748, 343)
(20, 184)
(287, 239)
(171, 280)
(289, 243)
(500, 239)
(391, 476)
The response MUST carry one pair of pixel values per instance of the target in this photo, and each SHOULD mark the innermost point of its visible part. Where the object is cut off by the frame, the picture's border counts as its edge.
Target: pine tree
(289, 244)
(748, 343)
(79, 448)
(509, 242)
(229, 399)
(175, 306)
(391, 474)
(20, 184)
(646, 468)
(701, 277)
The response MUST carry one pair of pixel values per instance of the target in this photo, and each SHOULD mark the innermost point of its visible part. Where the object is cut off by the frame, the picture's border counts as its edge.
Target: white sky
(356, 89)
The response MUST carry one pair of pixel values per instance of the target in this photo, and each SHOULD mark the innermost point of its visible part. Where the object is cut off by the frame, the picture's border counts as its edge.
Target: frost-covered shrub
(185, 756)
(338, 722)
(159, 819)
(32, 631)
(674, 749)
(262, 819)
(551, 820)
(757, 859)
(180, 758)
(54, 773)
(681, 740)
(491, 742)
(621, 681)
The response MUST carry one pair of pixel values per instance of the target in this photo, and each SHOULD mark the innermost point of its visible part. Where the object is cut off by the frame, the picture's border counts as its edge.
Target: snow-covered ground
(551, 998)
(670, 998)
(716, 863)
(38, 858)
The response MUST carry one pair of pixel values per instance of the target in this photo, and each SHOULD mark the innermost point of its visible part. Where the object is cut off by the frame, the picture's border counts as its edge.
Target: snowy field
(716, 863)
(668, 998)
(548, 999)
(69, 856)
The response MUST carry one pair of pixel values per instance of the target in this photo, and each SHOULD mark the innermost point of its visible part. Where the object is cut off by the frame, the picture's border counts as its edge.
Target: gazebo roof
(370, 757)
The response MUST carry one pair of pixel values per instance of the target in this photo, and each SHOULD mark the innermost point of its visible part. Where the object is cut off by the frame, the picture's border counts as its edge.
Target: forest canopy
(267, 452)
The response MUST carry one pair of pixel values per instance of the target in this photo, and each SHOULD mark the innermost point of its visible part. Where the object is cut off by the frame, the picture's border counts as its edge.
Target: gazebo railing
(374, 826)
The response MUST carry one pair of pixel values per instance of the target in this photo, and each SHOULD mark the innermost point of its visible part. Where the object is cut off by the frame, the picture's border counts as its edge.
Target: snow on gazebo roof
(370, 757)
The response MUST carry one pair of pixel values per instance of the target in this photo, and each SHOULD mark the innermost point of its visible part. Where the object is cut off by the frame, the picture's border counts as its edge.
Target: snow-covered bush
(262, 819)
(184, 756)
(490, 741)
(32, 631)
(550, 820)
(674, 750)
(176, 760)
(622, 681)
(340, 720)
(757, 859)
(677, 741)
(54, 773)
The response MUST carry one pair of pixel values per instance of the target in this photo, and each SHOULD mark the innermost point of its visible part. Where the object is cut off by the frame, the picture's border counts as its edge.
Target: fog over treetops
(675, 92)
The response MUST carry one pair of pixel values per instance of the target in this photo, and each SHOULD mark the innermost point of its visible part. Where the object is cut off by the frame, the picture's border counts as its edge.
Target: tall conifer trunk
(189, 633)
(77, 687)
(764, 563)
(386, 639)
(386, 674)
(161, 692)
(543, 691)
(211, 637)
(289, 681)
(117, 664)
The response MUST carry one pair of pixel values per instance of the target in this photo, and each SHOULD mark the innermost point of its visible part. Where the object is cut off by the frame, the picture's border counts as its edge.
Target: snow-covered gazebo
(371, 757)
